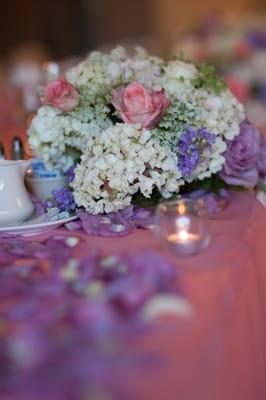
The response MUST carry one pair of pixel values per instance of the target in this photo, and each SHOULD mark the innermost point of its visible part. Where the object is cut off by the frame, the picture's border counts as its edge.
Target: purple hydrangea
(191, 146)
(64, 199)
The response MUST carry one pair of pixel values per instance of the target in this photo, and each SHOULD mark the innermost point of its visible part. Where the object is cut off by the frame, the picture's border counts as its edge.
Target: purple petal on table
(111, 268)
(27, 346)
(6, 258)
(36, 249)
(224, 193)
(87, 269)
(114, 224)
(122, 217)
(130, 293)
(152, 265)
(211, 203)
(114, 230)
(24, 309)
(59, 251)
(52, 287)
(11, 286)
(143, 218)
(74, 225)
(214, 203)
(96, 317)
(55, 339)
(101, 225)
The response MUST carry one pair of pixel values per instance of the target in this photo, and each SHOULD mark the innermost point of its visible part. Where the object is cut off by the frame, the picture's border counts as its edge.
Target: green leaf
(208, 79)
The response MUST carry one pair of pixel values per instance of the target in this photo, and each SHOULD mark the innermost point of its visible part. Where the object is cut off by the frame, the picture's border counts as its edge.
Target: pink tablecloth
(219, 353)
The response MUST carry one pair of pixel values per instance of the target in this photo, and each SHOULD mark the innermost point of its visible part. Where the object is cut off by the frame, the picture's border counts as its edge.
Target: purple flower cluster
(117, 224)
(64, 199)
(191, 147)
(64, 322)
(243, 158)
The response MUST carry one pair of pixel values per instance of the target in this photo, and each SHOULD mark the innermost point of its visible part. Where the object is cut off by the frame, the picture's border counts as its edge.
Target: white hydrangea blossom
(212, 161)
(121, 161)
(177, 77)
(55, 136)
(220, 114)
(115, 68)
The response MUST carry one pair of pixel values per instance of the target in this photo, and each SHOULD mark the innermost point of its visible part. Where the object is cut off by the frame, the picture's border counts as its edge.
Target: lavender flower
(191, 146)
(64, 199)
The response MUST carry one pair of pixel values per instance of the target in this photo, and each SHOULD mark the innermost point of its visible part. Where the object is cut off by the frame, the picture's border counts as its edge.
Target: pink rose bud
(136, 105)
(61, 94)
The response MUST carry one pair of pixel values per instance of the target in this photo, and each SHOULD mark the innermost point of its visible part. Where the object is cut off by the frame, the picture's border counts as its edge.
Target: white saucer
(34, 226)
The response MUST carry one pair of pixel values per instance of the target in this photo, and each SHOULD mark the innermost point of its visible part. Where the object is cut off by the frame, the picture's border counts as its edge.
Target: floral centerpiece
(143, 127)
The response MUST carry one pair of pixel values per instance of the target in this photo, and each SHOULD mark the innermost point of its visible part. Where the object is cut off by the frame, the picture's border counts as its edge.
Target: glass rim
(190, 204)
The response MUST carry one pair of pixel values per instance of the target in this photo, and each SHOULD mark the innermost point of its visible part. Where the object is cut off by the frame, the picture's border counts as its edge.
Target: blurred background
(231, 34)
(70, 27)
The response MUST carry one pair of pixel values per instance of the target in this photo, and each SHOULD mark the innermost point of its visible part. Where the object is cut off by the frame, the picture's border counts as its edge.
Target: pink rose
(136, 105)
(61, 94)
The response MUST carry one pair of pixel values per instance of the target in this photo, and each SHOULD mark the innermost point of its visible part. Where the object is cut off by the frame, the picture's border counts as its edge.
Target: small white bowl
(42, 188)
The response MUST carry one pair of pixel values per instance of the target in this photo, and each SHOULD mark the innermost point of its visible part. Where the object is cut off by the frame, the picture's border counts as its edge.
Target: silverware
(2, 152)
(17, 149)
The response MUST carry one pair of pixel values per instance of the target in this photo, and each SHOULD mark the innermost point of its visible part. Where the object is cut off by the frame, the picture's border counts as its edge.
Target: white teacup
(42, 188)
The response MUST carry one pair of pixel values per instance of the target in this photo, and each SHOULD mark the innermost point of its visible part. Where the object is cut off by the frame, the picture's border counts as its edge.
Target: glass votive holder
(180, 228)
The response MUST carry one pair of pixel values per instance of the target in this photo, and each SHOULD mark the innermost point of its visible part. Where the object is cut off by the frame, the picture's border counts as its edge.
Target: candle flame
(181, 208)
(183, 235)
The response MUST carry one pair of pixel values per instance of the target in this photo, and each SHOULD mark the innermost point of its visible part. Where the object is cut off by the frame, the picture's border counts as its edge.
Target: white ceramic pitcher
(15, 202)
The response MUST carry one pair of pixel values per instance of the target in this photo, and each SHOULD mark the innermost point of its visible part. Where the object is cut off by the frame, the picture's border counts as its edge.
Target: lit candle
(180, 228)
(184, 242)
(182, 237)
